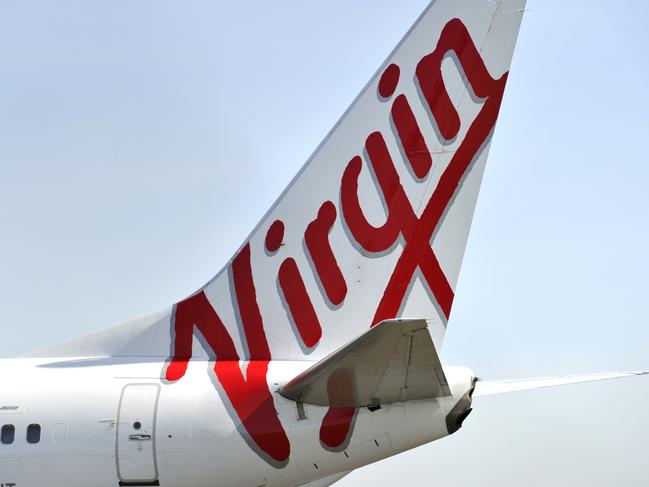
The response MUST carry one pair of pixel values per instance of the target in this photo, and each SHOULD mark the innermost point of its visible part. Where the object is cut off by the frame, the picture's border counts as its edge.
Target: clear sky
(140, 142)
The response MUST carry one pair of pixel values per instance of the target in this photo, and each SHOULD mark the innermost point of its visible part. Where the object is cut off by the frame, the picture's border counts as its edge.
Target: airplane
(315, 350)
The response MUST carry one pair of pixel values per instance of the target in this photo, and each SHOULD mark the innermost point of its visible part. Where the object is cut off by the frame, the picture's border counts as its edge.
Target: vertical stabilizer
(372, 228)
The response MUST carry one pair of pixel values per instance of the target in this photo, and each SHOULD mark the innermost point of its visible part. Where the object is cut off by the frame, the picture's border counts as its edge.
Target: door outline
(154, 480)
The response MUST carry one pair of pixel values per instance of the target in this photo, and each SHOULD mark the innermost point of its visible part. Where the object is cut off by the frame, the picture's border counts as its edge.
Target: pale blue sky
(141, 141)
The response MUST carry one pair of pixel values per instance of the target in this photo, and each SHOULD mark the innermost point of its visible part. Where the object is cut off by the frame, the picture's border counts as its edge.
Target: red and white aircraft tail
(375, 224)
(371, 231)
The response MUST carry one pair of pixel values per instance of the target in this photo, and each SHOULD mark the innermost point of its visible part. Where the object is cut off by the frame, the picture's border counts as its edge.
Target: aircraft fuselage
(106, 422)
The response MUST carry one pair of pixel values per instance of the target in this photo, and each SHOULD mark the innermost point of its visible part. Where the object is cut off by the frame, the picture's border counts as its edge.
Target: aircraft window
(33, 433)
(7, 434)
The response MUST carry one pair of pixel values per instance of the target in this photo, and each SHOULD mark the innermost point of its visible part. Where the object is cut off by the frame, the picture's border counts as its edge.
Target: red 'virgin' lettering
(456, 38)
(401, 219)
(411, 138)
(416, 252)
(389, 81)
(324, 260)
(244, 290)
(275, 236)
(299, 303)
(418, 232)
(336, 425)
(250, 396)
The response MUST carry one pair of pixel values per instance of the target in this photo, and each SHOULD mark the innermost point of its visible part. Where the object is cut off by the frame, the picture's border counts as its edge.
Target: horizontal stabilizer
(488, 388)
(394, 361)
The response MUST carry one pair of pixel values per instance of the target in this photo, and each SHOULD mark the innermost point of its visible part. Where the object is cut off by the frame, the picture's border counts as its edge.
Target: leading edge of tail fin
(375, 224)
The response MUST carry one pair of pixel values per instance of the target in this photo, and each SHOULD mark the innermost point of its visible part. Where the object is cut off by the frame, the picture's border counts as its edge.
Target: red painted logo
(250, 396)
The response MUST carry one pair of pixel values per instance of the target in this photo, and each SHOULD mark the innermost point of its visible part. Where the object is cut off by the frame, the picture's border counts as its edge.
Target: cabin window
(7, 434)
(33, 433)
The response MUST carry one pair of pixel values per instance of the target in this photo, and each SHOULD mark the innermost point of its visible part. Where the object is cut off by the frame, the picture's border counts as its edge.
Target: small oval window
(7, 434)
(33, 433)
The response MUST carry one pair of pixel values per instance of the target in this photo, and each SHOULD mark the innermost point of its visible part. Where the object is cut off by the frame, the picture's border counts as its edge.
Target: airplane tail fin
(372, 228)
(375, 224)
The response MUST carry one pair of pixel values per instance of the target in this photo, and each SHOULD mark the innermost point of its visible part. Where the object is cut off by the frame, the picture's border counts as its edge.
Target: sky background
(140, 142)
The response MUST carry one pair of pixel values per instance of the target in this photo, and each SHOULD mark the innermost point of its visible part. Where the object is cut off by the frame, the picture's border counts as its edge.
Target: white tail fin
(375, 224)
(372, 228)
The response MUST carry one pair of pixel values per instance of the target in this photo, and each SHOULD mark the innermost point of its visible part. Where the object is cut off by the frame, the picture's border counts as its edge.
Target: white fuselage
(103, 421)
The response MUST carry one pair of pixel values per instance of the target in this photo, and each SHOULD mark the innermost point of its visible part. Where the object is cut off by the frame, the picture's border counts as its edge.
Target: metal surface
(136, 452)
(395, 361)
(488, 388)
